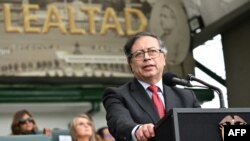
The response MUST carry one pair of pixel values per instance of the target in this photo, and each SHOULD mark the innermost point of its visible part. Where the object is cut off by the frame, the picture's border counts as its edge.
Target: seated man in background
(23, 123)
(104, 134)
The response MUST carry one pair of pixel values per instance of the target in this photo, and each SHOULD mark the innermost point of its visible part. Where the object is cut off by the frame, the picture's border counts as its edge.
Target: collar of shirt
(146, 85)
(159, 85)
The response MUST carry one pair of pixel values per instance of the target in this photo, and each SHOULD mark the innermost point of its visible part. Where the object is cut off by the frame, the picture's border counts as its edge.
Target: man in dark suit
(131, 113)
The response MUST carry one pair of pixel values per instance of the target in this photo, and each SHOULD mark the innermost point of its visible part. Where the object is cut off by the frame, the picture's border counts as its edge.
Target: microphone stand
(219, 92)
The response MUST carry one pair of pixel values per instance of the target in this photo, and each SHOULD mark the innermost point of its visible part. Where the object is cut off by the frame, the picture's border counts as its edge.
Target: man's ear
(165, 55)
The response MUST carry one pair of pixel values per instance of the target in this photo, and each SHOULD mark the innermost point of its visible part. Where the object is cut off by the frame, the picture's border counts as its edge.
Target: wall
(236, 46)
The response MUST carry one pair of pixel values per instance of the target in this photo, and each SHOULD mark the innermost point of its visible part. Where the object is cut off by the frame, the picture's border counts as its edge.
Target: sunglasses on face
(24, 121)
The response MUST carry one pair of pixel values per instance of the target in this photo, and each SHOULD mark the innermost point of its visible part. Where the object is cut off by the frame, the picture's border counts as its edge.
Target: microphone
(190, 77)
(171, 79)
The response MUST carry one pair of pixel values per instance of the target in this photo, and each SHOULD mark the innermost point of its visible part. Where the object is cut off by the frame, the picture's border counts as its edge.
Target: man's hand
(145, 132)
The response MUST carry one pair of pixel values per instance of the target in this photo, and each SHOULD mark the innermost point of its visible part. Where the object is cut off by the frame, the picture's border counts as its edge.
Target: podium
(195, 124)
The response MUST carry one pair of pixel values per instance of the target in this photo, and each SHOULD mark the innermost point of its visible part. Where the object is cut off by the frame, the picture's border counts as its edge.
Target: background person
(131, 114)
(82, 128)
(23, 123)
(104, 134)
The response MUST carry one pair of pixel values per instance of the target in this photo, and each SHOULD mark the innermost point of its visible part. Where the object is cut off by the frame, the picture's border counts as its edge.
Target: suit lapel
(142, 98)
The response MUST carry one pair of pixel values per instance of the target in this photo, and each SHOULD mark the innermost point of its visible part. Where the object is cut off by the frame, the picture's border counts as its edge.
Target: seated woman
(23, 123)
(82, 128)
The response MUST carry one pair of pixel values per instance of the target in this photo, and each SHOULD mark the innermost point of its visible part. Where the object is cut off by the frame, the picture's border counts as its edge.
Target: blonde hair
(73, 124)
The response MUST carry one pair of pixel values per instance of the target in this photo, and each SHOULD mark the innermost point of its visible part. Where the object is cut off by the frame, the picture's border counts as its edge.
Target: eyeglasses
(152, 52)
(24, 121)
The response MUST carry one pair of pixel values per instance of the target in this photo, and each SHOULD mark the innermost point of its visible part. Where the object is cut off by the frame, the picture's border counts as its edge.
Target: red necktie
(157, 100)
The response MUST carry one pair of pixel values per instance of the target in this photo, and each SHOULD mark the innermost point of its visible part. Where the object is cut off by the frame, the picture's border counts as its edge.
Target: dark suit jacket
(130, 105)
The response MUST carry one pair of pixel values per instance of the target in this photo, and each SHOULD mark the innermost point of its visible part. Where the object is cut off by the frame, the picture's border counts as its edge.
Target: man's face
(147, 69)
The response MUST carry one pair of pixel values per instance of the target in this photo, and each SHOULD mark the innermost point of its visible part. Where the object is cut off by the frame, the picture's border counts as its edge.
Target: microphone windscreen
(168, 79)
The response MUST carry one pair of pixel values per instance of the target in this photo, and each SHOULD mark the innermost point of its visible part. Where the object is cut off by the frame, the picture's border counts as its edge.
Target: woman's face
(26, 124)
(83, 127)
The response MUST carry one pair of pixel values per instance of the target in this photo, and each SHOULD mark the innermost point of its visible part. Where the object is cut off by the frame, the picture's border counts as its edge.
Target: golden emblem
(230, 120)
